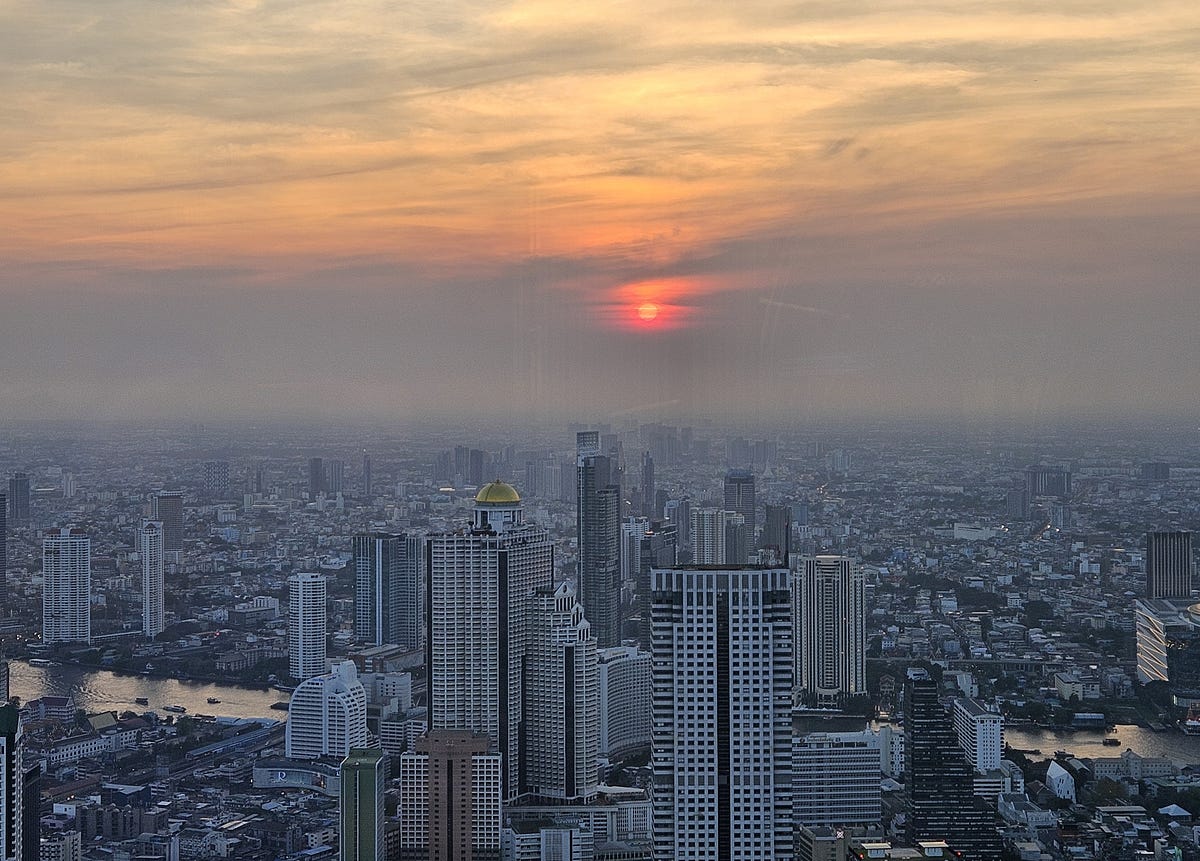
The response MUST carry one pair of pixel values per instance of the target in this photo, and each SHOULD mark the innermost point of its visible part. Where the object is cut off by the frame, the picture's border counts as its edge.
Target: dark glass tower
(18, 498)
(316, 476)
(387, 583)
(1169, 565)
(777, 533)
(598, 525)
(939, 780)
(739, 495)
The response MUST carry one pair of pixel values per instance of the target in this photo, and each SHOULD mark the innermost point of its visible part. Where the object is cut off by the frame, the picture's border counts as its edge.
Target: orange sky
(713, 148)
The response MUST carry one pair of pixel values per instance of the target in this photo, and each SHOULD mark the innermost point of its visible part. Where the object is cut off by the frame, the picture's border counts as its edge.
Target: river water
(1173, 744)
(101, 690)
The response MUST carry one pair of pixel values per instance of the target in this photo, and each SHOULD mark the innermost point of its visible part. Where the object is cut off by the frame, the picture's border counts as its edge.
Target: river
(102, 690)
(1172, 744)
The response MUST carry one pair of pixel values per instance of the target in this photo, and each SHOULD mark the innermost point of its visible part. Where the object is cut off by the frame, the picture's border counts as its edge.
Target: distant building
(66, 586)
(708, 536)
(3, 542)
(18, 498)
(776, 538)
(327, 715)
(361, 812)
(1048, 481)
(387, 589)
(216, 479)
(335, 474)
(316, 477)
(739, 495)
(829, 606)
(307, 619)
(1169, 565)
(1155, 471)
(167, 508)
(625, 700)
(450, 791)
(150, 548)
(722, 686)
(598, 527)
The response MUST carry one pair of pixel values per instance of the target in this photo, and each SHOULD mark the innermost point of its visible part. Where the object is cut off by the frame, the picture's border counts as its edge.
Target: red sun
(647, 311)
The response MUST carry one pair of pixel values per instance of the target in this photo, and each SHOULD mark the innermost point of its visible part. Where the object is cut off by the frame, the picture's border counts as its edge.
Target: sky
(246, 209)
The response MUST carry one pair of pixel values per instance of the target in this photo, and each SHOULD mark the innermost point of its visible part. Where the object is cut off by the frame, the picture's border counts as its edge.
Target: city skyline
(949, 211)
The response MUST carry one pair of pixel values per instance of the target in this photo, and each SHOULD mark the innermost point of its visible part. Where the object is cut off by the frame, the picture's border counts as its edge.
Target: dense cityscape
(599, 642)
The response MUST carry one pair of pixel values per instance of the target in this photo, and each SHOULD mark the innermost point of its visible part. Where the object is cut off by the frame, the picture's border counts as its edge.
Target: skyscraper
(1169, 565)
(648, 491)
(306, 625)
(216, 479)
(366, 475)
(335, 475)
(3, 541)
(450, 799)
(316, 476)
(363, 782)
(598, 527)
(660, 549)
(481, 586)
(12, 785)
(829, 594)
(722, 714)
(387, 589)
(167, 508)
(776, 537)
(66, 586)
(625, 697)
(708, 536)
(561, 701)
(739, 495)
(939, 780)
(150, 548)
(980, 734)
(327, 715)
(18, 498)
(1048, 481)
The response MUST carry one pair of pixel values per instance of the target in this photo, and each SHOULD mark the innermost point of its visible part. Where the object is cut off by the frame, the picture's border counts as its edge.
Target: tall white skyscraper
(829, 595)
(150, 548)
(481, 586)
(708, 536)
(12, 783)
(722, 646)
(306, 625)
(980, 732)
(327, 715)
(561, 700)
(66, 586)
(625, 698)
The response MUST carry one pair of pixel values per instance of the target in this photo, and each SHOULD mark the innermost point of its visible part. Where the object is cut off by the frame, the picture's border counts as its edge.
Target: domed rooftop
(497, 493)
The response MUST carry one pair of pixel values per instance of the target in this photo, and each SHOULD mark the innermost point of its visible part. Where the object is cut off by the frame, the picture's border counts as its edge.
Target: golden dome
(498, 493)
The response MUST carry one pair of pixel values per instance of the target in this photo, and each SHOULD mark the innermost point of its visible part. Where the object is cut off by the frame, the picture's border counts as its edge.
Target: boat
(213, 701)
(1191, 724)
(280, 707)
(142, 701)
(41, 662)
(285, 688)
(1111, 742)
(175, 709)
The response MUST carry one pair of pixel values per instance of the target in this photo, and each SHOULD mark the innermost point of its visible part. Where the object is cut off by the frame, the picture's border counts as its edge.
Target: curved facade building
(328, 715)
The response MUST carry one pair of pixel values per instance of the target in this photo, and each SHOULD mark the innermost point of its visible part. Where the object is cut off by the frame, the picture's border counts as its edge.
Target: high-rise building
(306, 625)
(1048, 481)
(776, 538)
(3, 541)
(363, 781)
(939, 781)
(678, 512)
(1155, 471)
(366, 475)
(481, 586)
(829, 594)
(739, 495)
(31, 828)
(598, 527)
(562, 695)
(648, 491)
(659, 549)
(980, 734)
(450, 799)
(737, 539)
(150, 548)
(1169, 565)
(18, 498)
(66, 586)
(12, 784)
(836, 778)
(327, 715)
(216, 479)
(387, 589)
(335, 476)
(1168, 647)
(316, 477)
(625, 699)
(476, 459)
(722, 714)
(632, 530)
(167, 508)
(3, 681)
(708, 536)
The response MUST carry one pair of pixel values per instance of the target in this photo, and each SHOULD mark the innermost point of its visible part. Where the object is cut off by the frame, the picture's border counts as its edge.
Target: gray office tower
(3, 540)
(216, 479)
(167, 507)
(598, 527)
(1169, 565)
(659, 549)
(18, 498)
(939, 780)
(1048, 481)
(647, 485)
(387, 589)
(316, 476)
(776, 536)
(366, 475)
(739, 495)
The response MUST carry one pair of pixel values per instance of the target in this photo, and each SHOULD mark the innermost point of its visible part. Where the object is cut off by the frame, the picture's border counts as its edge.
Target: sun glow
(647, 311)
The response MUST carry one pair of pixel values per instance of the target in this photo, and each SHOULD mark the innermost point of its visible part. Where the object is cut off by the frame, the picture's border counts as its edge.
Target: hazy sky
(396, 208)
